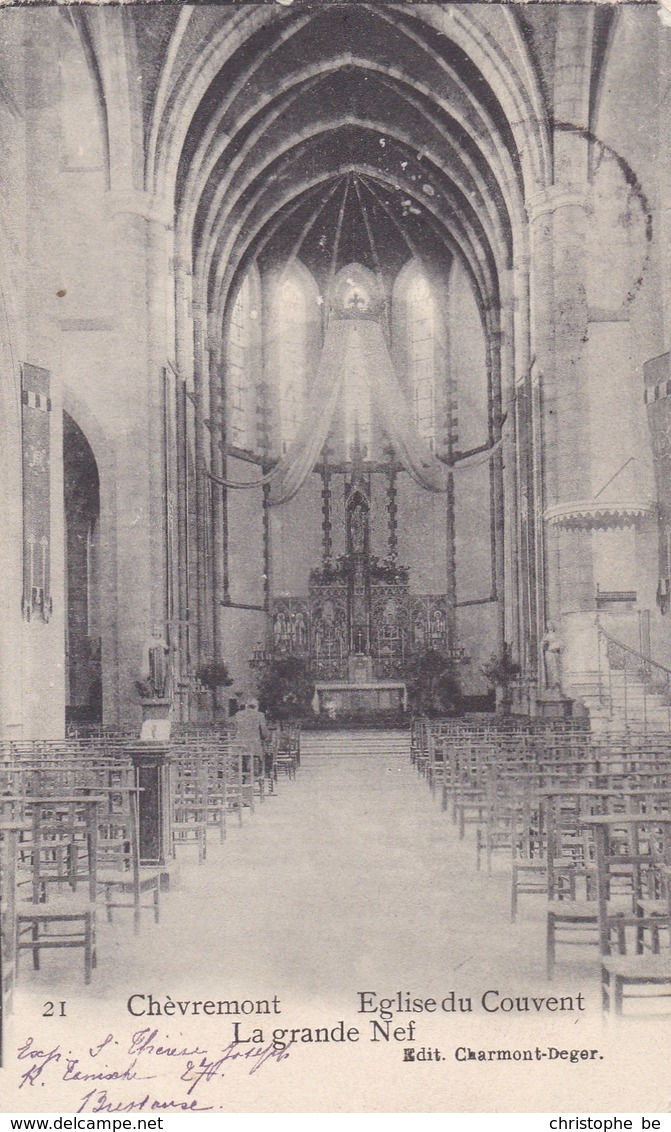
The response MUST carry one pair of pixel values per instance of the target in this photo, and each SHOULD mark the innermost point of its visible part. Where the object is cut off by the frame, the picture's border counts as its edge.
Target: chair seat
(123, 878)
(574, 910)
(60, 906)
(638, 967)
(653, 907)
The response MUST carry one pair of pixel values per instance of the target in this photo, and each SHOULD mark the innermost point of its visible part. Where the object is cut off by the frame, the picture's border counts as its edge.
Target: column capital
(146, 205)
(553, 198)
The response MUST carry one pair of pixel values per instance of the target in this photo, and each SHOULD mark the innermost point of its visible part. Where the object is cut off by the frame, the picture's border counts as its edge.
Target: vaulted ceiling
(355, 132)
(340, 132)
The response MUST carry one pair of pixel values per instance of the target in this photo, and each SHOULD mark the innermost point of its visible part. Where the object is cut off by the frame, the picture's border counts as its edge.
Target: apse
(361, 390)
(368, 155)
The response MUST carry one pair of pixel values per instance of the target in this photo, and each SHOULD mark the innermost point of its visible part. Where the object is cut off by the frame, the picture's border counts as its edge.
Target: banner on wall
(36, 456)
(657, 397)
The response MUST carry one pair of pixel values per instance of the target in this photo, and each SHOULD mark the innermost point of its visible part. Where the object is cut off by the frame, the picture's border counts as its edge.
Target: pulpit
(151, 761)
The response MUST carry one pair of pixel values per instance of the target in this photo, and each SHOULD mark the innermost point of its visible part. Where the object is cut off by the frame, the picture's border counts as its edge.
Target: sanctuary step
(355, 743)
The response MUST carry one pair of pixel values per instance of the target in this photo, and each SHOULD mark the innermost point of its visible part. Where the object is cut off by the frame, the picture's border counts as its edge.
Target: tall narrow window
(241, 418)
(292, 357)
(422, 356)
(358, 416)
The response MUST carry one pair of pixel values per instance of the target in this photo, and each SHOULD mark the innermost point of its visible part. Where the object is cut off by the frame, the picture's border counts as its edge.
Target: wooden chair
(572, 917)
(529, 850)
(215, 771)
(648, 849)
(63, 859)
(419, 744)
(8, 854)
(287, 752)
(189, 793)
(125, 882)
(234, 778)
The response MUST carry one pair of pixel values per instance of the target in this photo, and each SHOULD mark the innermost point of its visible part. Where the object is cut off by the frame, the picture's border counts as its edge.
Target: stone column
(220, 573)
(43, 639)
(139, 224)
(183, 380)
(559, 336)
(502, 351)
(201, 459)
(526, 537)
(664, 162)
(541, 307)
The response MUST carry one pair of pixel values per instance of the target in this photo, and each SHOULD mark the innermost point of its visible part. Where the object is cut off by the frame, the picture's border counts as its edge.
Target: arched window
(419, 323)
(240, 348)
(356, 294)
(292, 356)
(421, 357)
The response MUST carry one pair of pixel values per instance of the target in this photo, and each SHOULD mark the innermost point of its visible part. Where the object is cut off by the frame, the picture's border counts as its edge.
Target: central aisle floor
(350, 874)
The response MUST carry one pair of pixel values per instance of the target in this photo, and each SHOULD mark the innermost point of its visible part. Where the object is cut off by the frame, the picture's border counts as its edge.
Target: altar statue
(358, 529)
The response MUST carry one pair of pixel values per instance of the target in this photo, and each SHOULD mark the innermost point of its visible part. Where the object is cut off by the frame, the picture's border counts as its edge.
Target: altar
(339, 698)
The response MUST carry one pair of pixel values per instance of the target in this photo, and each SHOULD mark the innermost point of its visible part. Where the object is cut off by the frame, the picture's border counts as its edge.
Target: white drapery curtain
(356, 345)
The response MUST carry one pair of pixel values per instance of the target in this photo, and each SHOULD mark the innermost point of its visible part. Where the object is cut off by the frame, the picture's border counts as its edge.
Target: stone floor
(349, 881)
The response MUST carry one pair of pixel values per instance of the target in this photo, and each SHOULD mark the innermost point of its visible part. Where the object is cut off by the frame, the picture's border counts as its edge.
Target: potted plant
(213, 674)
(433, 685)
(286, 690)
(501, 672)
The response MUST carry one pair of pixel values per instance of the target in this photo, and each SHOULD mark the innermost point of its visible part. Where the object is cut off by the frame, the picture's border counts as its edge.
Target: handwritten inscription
(111, 1062)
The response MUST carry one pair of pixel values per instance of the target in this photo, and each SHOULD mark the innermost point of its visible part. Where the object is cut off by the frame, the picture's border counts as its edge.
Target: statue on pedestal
(156, 666)
(552, 650)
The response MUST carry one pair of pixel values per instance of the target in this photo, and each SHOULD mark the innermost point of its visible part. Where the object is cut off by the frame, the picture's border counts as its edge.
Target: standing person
(251, 729)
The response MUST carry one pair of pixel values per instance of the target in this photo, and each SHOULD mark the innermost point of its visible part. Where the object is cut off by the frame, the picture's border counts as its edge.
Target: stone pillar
(525, 452)
(663, 142)
(202, 501)
(43, 639)
(559, 337)
(183, 380)
(12, 350)
(621, 467)
(571, 394)
(544, 415)
(505, 349)
(139, 225)
(220, 574)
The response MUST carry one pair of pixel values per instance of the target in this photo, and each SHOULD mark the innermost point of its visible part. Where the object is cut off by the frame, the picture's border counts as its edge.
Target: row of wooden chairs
(69, 831)
(585, 824)
(68, 848)
(214, 777)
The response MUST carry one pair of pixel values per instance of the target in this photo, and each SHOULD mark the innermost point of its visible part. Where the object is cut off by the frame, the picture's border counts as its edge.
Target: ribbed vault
(349, 133)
